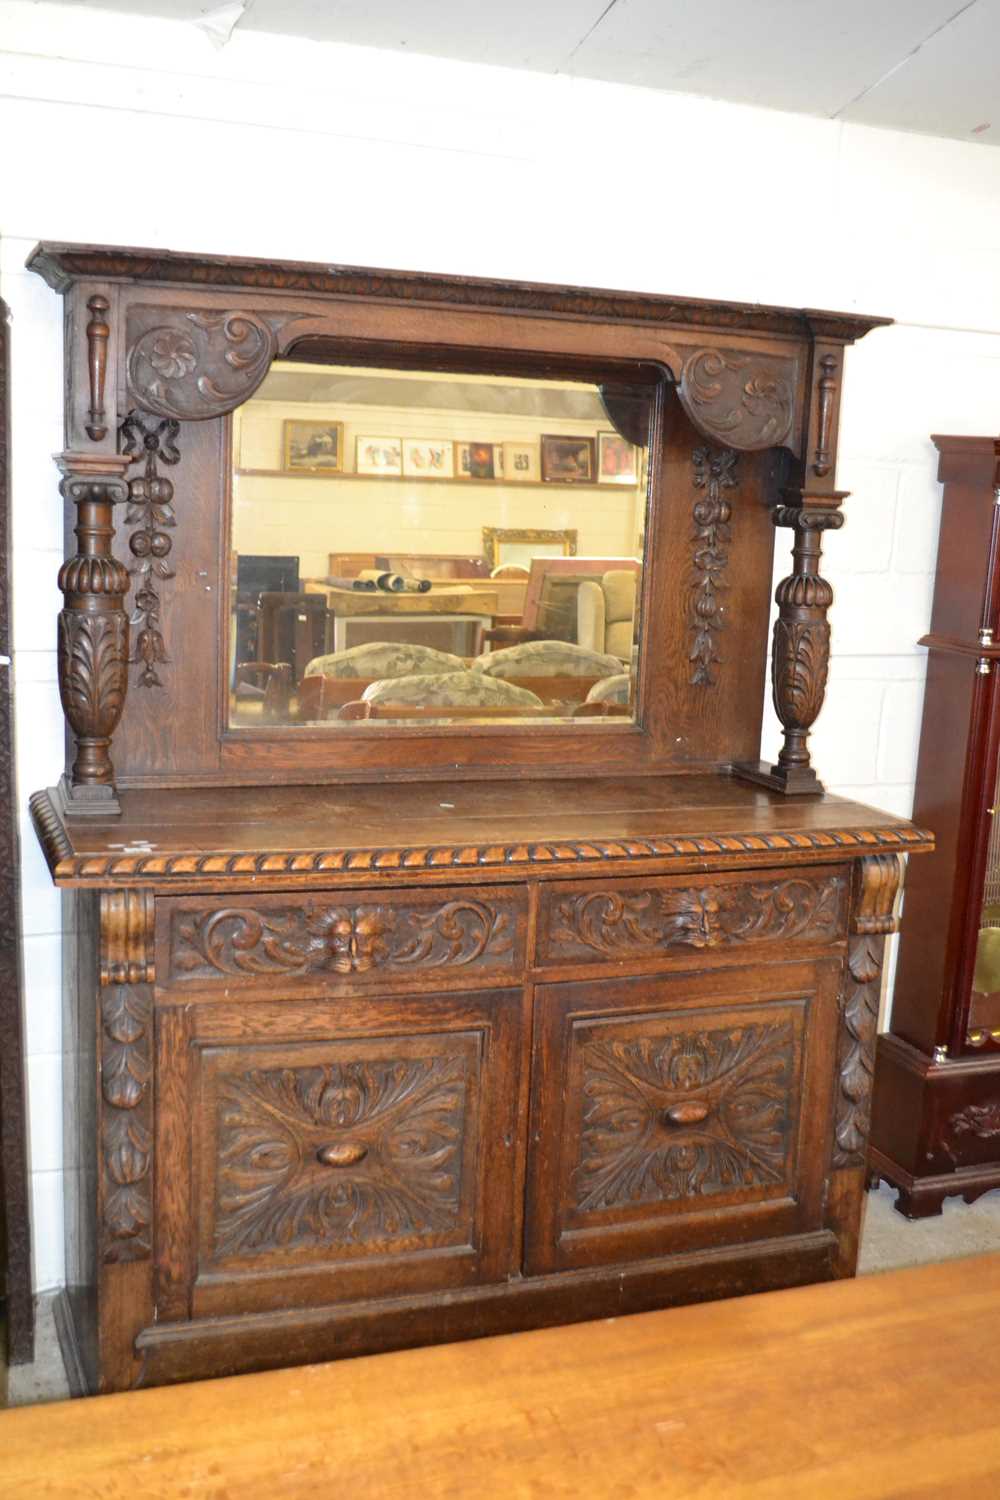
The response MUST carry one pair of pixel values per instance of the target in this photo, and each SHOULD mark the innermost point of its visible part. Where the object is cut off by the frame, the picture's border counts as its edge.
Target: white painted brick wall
(140, 132)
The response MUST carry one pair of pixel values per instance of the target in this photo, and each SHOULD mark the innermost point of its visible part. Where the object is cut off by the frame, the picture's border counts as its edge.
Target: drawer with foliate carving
(346, 938)
(596, 921)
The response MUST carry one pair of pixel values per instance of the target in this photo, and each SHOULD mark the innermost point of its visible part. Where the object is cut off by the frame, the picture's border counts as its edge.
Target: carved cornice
(62, 265)
(150, 867)
(126, 941)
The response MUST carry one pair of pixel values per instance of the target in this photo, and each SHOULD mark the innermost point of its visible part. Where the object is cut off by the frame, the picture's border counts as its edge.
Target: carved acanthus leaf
(698, 1113)
(349, 939)
(800, 662)
(126, 1121)
(646, 922)
(359, 1153)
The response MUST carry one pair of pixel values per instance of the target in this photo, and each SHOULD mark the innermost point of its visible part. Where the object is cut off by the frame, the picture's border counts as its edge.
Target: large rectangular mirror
(426, 545)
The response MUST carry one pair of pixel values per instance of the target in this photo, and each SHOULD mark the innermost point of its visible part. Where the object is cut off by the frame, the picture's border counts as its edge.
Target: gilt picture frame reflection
(379, 455)
(567, 460)
(428, 458)
(312, 447)
(617, 460)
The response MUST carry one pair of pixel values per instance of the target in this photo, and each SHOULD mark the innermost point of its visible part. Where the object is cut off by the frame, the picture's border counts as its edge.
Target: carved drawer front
(673, 1114)
(595, 921)
(345, 937)
(335, 1163)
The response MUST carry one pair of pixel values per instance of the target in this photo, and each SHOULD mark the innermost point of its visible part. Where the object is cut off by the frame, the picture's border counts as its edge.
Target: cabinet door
(315, 1151)
(679, 1113)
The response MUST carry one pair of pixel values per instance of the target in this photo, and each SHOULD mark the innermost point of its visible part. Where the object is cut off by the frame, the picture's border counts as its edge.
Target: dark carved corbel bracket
(193, 364)
(126, 941)
(745, 400)
(800, 652)
(876, 885)
(93, 630)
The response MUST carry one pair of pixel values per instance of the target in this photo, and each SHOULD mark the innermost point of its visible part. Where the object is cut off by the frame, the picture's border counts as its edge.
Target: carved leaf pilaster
(714, 474)
(877, 884)
(126, 1122)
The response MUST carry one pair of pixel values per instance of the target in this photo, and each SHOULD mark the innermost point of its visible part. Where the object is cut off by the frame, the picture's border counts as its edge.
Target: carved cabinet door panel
(672, 1114)
(317, 1151)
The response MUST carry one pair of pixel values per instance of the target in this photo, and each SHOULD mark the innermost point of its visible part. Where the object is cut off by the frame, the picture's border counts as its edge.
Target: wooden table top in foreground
(881, 1387)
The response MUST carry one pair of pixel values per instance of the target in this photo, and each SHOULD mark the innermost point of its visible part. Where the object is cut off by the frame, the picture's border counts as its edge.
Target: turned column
(93, 631)
(800, 648)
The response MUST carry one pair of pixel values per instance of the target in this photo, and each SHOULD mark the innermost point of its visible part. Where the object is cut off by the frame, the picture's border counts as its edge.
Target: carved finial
(827, 390)
(98, 333)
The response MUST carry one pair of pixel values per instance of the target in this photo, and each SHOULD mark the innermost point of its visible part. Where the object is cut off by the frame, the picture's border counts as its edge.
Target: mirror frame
(174, 343)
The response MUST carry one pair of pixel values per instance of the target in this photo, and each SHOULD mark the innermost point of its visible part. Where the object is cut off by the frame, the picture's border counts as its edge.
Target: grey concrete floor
(887, 1242)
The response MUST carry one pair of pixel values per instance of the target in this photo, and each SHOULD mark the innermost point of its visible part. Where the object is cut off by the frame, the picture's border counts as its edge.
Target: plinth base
(797, 781)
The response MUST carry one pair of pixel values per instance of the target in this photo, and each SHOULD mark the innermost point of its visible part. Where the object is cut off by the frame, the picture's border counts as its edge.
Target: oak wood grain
(287, 835)
(765, 1397)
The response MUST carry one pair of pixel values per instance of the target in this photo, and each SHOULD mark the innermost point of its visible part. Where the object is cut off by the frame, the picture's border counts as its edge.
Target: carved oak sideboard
(425, 1022)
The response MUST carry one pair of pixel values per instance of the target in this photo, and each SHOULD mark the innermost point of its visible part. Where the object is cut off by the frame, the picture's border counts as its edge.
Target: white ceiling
(926, 65)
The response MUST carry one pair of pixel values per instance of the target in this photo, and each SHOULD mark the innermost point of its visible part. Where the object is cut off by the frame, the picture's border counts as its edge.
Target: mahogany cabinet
(479, 1007)
(936, 1122)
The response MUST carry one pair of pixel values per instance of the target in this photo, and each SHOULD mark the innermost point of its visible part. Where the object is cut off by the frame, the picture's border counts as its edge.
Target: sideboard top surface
(264, 836)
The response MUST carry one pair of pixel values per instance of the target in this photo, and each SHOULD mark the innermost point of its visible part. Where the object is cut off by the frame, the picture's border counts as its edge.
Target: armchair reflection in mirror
(432, 544)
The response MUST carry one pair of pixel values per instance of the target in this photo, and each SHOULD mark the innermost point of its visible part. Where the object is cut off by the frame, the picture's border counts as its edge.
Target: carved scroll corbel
(744, 400)
(93, 631)
(126, 943)
(189, 364)
(877, 883)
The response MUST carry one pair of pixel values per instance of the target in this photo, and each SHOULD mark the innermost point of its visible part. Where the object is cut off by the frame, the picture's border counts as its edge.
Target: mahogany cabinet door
(315, 1151)
(673, 1114)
